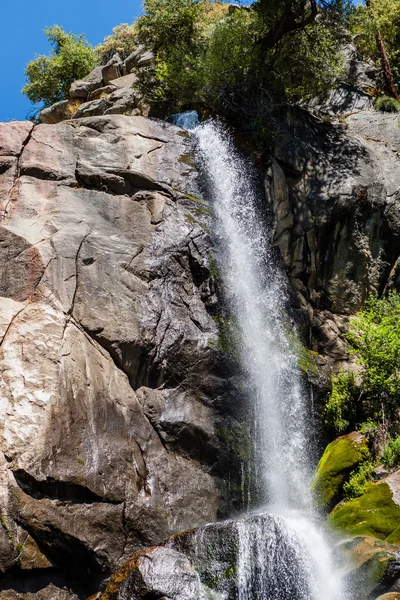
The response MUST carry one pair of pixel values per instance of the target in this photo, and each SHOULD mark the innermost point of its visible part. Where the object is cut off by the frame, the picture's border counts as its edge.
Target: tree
(50, 76)
(376, 30)
(286, 16)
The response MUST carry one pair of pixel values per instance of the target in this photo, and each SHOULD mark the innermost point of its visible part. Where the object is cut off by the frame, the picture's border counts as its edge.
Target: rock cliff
(113, 394)
(333, 190)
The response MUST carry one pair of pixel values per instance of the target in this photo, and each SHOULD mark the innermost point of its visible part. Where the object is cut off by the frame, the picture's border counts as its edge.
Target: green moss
(6, 528)
(339, 459)
(184, 134)
(373, 514)
(236, 439)
(214, 270)
(188, 158)
(228, 334)
(394, 537)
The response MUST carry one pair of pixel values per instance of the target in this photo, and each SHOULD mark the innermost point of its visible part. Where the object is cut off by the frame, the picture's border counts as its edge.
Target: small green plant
(356, 485)
(336, 413)
(391, 454)
(369, 429)
(387, 104)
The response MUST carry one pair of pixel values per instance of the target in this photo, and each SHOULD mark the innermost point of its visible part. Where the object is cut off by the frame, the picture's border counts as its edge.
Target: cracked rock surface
(111, 391)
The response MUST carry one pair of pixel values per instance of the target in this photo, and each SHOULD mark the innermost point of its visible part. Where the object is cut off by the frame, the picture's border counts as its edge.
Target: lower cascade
(285, 556)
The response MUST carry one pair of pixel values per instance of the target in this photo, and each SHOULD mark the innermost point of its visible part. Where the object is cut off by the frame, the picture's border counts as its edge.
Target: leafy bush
(374, 336)
(387, 104)
(338, 410)
(211, 59)
(356, 485)
(50, 76)
(123, 40)
(391, 454)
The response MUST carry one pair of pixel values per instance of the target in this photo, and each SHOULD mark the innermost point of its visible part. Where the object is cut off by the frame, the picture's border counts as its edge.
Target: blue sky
(21, 36)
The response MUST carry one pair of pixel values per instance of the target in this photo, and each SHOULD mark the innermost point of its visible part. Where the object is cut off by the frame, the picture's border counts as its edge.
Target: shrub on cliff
(122, 40)
(374, 336)
(50, 76)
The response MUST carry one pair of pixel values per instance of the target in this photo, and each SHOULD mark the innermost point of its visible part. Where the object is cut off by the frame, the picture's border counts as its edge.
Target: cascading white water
(256, 295)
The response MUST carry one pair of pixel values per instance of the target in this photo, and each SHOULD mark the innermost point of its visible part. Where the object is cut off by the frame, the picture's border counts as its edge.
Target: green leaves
(50, 76)
(374, 337)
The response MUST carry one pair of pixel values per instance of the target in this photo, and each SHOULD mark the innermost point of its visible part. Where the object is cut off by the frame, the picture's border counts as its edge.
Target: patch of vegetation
(339, 408)
(374, 336)
(387, 104)
(357, 483)
(50, 76)
(239, 64)
(228, 334)
(365, 22)
(391, 454)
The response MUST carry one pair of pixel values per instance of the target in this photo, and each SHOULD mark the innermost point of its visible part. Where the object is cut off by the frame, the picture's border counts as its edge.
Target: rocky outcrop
(114, 395)
(108, 89)
(332, 189)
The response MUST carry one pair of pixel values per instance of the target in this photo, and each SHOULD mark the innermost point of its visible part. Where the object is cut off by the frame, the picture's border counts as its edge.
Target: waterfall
(285, 557)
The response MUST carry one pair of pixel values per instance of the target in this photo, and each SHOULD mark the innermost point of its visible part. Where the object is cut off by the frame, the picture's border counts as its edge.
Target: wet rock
(376, 567)
(340, 458)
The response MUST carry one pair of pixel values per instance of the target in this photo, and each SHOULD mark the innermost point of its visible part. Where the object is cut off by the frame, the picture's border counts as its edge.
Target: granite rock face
(333, 192)
(112, 390)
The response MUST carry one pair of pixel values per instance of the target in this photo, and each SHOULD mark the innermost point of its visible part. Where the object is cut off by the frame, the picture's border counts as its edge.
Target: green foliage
(387, 104)
(357, 483)
(50, 76)
(123, 40)
(374, 336)
(385, 15)
(391, 454)
(339, 408)
(212, 59)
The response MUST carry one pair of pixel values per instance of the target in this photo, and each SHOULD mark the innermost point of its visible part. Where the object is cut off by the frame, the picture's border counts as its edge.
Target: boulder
(101, 92)
(344, 99)
(340, 458)
(82, 88)
(113, 69)
(141, 57)
(60, 111)
(375, 514)
(375, 567)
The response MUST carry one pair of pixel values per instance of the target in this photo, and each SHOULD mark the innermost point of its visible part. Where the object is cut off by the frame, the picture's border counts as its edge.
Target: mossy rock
(375, 566)
(341, 457)
(374, 514)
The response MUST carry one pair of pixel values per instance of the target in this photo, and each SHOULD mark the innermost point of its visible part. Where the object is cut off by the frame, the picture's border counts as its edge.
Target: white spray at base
(291, 559)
